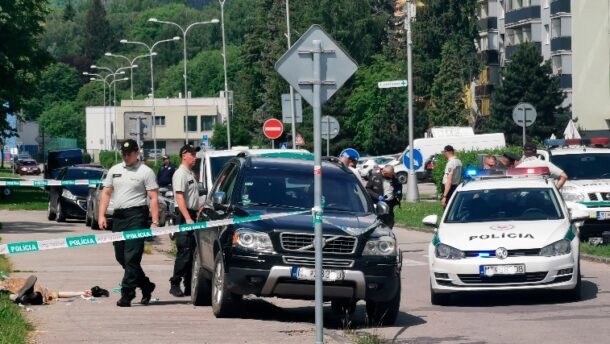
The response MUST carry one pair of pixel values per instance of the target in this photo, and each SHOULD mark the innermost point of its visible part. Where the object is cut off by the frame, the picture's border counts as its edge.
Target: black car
(275, 257)
(70, 201)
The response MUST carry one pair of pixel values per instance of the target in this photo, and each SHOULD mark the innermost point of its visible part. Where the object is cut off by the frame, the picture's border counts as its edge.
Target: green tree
(91, 94)
(58, 82)
(98, 34)
(528, 79)
(64, 119)
(69, 12)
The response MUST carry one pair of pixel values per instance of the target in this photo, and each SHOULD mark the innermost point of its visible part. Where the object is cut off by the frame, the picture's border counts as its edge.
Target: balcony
(522, 14)
(483, 91)
(489, 57)
(511, 49)
(489, 23)
(565, 81)
(560, 6)
(561, 43)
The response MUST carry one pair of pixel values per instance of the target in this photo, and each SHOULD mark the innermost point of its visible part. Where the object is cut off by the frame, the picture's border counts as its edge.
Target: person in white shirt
(531, 159)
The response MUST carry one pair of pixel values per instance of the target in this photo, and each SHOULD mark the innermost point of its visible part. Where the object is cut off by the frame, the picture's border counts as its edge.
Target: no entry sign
(273, 128)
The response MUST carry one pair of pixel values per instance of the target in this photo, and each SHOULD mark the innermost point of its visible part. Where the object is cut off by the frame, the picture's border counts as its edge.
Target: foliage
(411, 214)
(91, 94)
(107, 159)
(602, 251)
(528, 79)
(25, 199)
(58, 82)
(69, 12)
(98, 34)
(64, 119)
(219, 136)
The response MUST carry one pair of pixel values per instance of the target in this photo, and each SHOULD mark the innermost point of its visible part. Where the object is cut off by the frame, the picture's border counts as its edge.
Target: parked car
(70, 201)
(276, 257)
(27, 167)
(58, 159)
(373, 164)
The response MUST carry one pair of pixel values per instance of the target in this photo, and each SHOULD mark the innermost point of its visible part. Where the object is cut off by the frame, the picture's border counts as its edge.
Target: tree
(527, 79)
(58, 82)
(69, 12)
(64, 119)
(91, 94)
(98, 34)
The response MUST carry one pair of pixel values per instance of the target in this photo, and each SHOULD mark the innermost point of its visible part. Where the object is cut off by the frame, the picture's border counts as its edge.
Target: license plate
(491, 270)
(603, 215)
(309, 274)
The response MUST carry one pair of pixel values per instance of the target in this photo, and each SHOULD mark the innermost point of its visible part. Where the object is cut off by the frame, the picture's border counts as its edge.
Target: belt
(123, 211)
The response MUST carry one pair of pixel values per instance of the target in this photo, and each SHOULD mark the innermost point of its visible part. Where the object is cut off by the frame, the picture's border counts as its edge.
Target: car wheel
(94, 223)
(402, 177)
(439, 299)
(50, 214)
(200, 285)
(223, 300)
(6, 192)
(383, 313)
(88, 219)
(60, 216)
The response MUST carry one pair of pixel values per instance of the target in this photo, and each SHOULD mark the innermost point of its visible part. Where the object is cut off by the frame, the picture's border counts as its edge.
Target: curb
(337, 337)
(596, 259)
(423, 229)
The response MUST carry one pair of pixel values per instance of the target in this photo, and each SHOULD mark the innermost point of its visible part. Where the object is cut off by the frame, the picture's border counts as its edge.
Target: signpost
(316, 67)
(524, 115)
(350, 152)
(330, 130)
(287, 112)
(392, 84)
(273, 129)
(418, 160)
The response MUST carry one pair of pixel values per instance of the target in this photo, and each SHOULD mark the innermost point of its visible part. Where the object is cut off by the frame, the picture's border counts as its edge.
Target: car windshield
(526, 204)
(584, 166)
(216, 165)
(294, 189)
(77, 173)
(29, 163)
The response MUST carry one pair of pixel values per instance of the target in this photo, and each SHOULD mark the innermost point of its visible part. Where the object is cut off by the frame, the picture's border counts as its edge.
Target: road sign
(417, 162)
(392, 84)
(297, 65)
(273, 128)
(350, 152)
(524, 113)
(298, 108)
(330, 127)
(299, 140)
(284, 145)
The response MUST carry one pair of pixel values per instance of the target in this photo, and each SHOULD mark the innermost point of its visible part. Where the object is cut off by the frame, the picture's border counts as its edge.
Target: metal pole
(328, 137)
(152, 88)
(224, 60)
(412, 191)
(292, 105)
(317, 208)
(115, 117)
(524, 124)
(131, 79)
(105, 122)
(186, 102)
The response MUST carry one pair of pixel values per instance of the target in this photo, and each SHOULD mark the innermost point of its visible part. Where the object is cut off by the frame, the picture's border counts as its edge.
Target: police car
(587, 164)
(505, 230)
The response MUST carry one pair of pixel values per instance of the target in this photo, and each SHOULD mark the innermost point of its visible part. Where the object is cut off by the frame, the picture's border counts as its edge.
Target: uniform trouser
(451, 191)
(185, 244)
(129, 252)
(388, 219)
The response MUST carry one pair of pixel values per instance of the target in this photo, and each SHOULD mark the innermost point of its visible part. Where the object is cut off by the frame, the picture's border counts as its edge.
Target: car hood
(590, 185)
(78, 190)
(510, 235)
(339, 223)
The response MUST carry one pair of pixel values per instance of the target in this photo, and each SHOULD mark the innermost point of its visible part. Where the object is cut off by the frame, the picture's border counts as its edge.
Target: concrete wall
(591, 63)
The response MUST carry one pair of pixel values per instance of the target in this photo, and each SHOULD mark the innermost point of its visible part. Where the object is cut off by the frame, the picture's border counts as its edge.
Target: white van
(435, 145)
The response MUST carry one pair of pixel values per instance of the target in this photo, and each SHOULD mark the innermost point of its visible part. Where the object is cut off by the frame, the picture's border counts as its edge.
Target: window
(208, 122)
(583, 166)
(556, 27)
(557, 64)
(547, 35)
(160, 121)
(527, 34)
(192, 123)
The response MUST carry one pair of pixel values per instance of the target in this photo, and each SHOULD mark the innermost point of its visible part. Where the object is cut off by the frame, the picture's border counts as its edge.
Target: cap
(350, 157)
(510, 156)
(189, 149)
(529, 146)
(165, 157)
(129, 146)
(448, 148)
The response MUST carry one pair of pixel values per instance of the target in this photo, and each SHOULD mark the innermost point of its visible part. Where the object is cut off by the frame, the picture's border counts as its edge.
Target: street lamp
(184, 32)
(224, 61)
(105, 82)
(152, 81)
(114, 73)
(132, 65)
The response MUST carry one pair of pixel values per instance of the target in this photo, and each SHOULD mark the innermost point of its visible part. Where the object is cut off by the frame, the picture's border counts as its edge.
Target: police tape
(96, 239)
(49, 182)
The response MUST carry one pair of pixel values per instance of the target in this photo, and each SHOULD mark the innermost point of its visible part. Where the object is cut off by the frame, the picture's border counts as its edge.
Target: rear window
(584, 166)
(75, 173)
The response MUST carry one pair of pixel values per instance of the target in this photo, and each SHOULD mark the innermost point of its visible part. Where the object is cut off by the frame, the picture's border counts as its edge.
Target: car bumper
(74, 209)
(558, 272)
(594, 226)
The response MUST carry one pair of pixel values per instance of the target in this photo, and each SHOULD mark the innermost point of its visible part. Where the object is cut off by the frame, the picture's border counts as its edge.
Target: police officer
(531, 159)
(129, 183)
(384, 187)
(166, 172)
(186, 196)
(452, 175)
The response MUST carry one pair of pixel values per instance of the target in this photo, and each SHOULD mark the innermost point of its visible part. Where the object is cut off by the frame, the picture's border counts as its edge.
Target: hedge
(107, 160)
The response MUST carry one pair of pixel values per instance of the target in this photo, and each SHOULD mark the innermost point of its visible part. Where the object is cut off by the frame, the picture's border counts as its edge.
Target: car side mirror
(382, 208)
(202, 189)
(431, 220)
(218, 200)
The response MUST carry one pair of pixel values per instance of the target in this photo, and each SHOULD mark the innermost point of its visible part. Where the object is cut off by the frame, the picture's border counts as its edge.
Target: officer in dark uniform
(129, 184)
(384, 187)
(166, 172)
(186, 197)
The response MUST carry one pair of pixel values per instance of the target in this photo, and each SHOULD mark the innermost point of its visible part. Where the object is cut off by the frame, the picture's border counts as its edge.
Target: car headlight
(67, 194)
(24, 169)
(254, 241)
(557, 248)
(383, 246)
(447, 252)
(571, 194)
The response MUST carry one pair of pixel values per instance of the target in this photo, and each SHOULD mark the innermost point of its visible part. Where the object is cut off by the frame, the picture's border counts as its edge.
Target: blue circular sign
(352, 153)
(417, 162)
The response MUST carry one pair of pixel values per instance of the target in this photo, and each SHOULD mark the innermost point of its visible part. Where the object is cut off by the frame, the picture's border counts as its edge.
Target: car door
(55, 191)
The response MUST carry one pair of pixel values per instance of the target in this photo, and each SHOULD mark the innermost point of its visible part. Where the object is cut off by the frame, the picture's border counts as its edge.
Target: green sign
(22, 247)
(85, 240)
(137, 234)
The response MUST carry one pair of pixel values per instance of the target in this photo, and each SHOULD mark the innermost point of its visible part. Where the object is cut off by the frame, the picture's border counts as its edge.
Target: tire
(201, 294)
(88, 219)
(438, 299)
(223, 301)
(343, 307)
(383, 313)
(6, 192)
(402, 177)
(60, 216)
(94, 224)
(50, 214)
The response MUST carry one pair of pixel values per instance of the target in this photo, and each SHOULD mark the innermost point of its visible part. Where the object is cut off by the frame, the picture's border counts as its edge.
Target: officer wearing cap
(129, 184)
(351, 162)
(508, 160)
(531, 159)
(166, 172)
(186, 196)
(452, 175)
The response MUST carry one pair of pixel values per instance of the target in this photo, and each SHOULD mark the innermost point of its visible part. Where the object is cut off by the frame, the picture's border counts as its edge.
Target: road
(491, 318)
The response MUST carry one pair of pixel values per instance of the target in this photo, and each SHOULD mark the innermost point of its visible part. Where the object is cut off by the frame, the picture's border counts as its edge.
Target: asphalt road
(488, 318)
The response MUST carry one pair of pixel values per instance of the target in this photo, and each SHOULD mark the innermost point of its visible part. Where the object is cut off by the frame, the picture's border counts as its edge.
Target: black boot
(26, 290)
(187, 287)
(175, 287)
(147, 290)
(126, 296)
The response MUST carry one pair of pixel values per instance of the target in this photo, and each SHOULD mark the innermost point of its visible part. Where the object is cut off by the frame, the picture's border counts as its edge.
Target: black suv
(275, 257)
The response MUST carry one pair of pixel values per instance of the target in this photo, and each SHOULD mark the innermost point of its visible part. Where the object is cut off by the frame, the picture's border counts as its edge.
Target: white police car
(507, 231)
(587, 164)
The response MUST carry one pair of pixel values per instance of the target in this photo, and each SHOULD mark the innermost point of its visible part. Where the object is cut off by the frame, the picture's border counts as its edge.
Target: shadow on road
(16, 227)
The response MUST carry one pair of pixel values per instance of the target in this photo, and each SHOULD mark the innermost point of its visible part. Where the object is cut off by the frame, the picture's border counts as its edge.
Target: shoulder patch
(116, 175)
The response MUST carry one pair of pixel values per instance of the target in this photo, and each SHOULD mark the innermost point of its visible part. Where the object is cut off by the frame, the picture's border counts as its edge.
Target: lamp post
(224, 61)
(113, 85)
(184, 32)
(292, 112)
(104, 83)
(132, 65)
(152, 82)
(412, 191)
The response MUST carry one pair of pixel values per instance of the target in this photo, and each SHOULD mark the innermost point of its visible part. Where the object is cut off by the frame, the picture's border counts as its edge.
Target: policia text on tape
(48, 182)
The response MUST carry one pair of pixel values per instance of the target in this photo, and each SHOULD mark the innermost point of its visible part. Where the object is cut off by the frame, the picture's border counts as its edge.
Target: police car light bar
(596, 141)
(529, 171)
(474, 173)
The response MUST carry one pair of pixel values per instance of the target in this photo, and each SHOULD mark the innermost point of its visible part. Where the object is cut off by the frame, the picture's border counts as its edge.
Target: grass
(362, 337)
(8, 173)
(25, 199)
(603, 251)
(411, 214)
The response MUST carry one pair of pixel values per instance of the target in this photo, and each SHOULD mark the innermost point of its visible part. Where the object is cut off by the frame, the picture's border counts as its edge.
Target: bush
(469, 159)
(107, 160)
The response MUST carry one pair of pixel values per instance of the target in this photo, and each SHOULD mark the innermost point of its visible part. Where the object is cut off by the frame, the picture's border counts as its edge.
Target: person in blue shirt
(166, 172)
